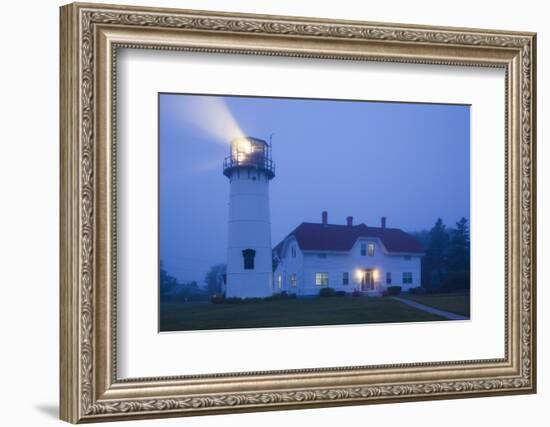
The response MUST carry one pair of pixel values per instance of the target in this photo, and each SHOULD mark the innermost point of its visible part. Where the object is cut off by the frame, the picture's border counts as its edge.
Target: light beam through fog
(211, 116)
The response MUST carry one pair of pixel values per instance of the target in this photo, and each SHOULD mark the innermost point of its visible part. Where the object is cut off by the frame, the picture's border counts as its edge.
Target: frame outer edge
(68, 225)
(77, 339)
(533, 112)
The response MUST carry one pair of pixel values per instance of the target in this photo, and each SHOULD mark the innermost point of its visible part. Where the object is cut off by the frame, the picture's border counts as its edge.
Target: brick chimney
(349, 221)
(324, 218)
(383, 222)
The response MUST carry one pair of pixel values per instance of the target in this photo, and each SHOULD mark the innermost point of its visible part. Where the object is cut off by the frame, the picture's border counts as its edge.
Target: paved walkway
(436, 311)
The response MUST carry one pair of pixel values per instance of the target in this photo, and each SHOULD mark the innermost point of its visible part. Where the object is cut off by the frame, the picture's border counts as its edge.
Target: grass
(454, 302)
(179, 316)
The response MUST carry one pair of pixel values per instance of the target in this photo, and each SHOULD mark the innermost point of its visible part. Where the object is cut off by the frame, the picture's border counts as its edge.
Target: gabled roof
(332, 237)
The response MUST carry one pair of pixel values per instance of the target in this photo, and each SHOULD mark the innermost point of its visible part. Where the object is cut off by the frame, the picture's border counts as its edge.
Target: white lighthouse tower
(249, 254)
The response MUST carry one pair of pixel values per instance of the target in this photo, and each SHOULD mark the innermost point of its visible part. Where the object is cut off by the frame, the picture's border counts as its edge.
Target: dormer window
(248, 258)
(367, 249)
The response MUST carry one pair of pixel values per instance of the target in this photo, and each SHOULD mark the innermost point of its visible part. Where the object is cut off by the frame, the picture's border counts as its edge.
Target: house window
(363, 249)
(407, 278)
(280, 281)
(371, 249)
(293, 251)
(248, 257)
(407, 257)
(345, 278)
(321, 279)
(293, 280)
(388, 278)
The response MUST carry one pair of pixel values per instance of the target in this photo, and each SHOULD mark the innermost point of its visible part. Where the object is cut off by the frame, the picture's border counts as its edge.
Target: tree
(458, 257)
(434, 262)
(214, 278)
(168, 283)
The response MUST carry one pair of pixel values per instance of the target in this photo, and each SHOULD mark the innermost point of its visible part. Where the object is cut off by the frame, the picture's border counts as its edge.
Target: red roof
(331, 237)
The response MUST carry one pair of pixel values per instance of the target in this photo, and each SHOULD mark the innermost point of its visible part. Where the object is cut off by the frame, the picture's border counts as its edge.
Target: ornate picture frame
(90, 37)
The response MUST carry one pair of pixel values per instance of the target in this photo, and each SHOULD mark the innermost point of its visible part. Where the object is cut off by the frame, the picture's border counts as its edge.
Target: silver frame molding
(90, 37)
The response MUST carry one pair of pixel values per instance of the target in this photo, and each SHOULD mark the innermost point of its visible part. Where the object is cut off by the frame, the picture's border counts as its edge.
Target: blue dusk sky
(408, 162)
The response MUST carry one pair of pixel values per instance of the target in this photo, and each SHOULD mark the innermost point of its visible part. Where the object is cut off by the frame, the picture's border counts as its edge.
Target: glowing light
(244, 146)
(359, 274)
(375, 274)
(209, 115)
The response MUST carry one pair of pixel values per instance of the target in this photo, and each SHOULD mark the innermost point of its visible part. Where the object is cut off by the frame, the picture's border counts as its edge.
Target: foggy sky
(408, 162)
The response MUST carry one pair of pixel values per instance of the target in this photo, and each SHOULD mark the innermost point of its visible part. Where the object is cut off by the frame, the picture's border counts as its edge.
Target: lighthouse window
(248, 257)
(293, 280)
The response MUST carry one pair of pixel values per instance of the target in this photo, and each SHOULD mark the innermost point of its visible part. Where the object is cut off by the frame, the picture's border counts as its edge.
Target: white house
(347, 258)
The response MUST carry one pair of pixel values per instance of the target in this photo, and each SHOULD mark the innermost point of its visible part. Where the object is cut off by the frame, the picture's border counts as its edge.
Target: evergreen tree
(434, 263)
(458, 260)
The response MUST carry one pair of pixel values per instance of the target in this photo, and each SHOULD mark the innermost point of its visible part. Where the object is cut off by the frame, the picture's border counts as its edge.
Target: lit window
(345, 278)
(248, 257)
(371, 249)
(363, 249)
(407, 278)
(293, 251)
(388, 278)
(293, 280)
(321, 279)
(280, 281)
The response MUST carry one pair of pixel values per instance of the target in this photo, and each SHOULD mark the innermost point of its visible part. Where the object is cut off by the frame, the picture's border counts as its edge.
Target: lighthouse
(249, 168)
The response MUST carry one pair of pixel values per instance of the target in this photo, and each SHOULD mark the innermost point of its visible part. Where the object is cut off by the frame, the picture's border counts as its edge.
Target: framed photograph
(266, 212)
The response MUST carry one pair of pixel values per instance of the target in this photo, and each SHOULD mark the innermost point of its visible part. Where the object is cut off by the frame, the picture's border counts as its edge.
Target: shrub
(340, 293)
(217, 298)
(279, 295)
(327, 292)
(356, 293)
(394, 290)
(385, 293)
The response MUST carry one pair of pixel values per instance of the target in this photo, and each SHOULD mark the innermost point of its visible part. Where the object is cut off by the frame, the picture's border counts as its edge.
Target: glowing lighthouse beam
(211, 116)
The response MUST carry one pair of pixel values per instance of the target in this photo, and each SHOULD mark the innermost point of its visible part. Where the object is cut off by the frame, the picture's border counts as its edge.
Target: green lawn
(455, 302)
(178, 316)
